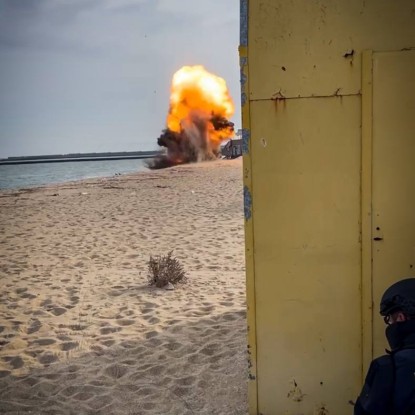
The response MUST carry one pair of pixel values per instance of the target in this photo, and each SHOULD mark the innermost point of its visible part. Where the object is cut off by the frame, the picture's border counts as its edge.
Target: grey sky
(94, 75)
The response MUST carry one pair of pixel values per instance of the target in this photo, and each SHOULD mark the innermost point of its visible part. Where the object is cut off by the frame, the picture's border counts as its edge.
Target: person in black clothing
(389, 387)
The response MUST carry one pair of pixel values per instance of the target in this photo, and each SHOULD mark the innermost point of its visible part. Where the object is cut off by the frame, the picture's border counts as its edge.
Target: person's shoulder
(382, 361)
(409, 351)
(378, 387)
(380, 370)
(405, 358)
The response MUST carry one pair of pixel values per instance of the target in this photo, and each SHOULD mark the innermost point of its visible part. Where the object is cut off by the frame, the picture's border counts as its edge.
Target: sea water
(32, 175)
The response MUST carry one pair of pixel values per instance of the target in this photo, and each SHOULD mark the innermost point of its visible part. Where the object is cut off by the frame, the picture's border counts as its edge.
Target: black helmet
(399, 297)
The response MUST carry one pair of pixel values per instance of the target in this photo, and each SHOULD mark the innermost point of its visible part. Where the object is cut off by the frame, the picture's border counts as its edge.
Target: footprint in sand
(34, 326)
(83, 396)
(187, 380)
(43, 342)
(146, 310)
(47, 358)
(176, 329)
(74, 299)
(115, 293)
(125, 322)
(153, 320)
(99, 402)
(63, 337)
(209, 349)
(172, 345)
(28, 295)
(108, 342)
(57, 311)
(229, 317)
(109, 329)
(70, 391)
(69, 346)
(155, 342)
(46, 302)
(38, 313)
(116, 371)
(74, 327)
(15, 361)
(180, 390)
(156, 370)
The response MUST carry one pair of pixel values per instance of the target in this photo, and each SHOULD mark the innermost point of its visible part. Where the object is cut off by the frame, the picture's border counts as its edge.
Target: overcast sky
(94, 75)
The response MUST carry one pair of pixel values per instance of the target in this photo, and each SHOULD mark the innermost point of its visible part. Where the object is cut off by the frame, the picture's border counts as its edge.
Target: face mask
(398, 333)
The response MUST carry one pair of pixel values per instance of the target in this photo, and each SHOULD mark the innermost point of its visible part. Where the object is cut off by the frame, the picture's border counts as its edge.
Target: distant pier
(61, 158)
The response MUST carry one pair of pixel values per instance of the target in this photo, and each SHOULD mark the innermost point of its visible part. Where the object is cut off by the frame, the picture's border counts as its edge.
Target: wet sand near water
(81, 332)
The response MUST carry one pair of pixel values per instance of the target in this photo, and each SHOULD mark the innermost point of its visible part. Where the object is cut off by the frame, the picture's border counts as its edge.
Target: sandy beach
(82, 332)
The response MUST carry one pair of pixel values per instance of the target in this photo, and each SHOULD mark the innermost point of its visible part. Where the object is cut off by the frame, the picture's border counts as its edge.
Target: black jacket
(389, 387)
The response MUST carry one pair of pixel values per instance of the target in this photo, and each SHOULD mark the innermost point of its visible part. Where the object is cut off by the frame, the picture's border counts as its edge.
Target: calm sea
(32, 175)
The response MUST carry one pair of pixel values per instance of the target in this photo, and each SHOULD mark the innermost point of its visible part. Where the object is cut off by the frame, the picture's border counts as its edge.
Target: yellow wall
(328, 113)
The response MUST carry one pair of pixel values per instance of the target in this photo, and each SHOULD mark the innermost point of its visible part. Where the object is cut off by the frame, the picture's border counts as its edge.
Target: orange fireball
(198, 94)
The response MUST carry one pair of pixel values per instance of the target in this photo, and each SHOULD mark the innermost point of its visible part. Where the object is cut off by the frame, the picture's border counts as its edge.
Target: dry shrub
(165, 269)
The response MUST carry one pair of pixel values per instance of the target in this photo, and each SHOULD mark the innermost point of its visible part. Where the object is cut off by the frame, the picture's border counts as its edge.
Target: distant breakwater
(60, 158)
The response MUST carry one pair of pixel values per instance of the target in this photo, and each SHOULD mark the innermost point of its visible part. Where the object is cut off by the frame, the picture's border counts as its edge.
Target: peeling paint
(245, 140)
(295, 393)
(249, 358)
(243, 99)
(321, 410)
(349, 54)
(243, 26)
(278, 95)
(243, 62)
(243, 79)
(247, 203)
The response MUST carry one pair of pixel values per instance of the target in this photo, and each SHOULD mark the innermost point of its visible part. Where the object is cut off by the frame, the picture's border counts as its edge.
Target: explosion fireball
(197, 122)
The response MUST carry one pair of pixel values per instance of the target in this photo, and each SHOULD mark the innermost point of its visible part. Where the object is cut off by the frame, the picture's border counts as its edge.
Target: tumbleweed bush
(164, 269)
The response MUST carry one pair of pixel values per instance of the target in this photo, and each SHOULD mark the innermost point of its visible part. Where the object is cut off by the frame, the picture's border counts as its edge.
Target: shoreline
(94, 176)
(82, 331)
(58, 158)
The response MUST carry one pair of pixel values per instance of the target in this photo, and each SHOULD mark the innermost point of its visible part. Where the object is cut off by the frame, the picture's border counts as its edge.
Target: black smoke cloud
(192, 143)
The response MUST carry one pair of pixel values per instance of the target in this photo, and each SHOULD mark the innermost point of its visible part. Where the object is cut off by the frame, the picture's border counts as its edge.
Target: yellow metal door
(393, 218)
(306, 213)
